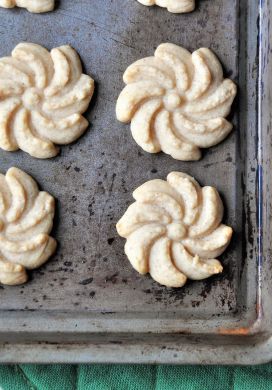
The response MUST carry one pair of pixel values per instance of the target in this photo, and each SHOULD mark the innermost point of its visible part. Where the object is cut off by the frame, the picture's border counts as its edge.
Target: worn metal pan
(87, 304)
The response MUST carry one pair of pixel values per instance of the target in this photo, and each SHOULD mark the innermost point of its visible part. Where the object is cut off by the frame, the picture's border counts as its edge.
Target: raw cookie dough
(42, 97)
(174, 230)
(177, 101)
(175, 6)
(26, 219)
(35, 6)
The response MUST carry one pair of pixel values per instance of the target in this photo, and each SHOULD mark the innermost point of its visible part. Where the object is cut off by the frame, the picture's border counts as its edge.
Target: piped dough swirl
(177, 102)
(35, 6)
(42, 98)
(173, 230)
(174, 6)
(26, 219)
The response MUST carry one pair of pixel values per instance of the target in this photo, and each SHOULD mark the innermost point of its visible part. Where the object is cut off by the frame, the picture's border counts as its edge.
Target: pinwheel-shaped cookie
(177, 102)
(26, 219)
(175, 6)
(35, 6)
(174, 230)
(42, 97)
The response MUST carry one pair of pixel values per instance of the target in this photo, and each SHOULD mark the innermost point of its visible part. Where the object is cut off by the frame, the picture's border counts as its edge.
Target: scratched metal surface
(93, 180)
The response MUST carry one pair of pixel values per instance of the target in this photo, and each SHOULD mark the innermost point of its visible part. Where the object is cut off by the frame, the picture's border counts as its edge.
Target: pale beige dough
(35, 6)
(174, 230)
(26, 219)
(42, 98)
(175, 6)
(176, 101)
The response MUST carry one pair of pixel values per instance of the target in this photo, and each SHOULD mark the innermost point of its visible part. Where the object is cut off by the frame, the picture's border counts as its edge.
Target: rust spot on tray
(235, 331)
(259, 310)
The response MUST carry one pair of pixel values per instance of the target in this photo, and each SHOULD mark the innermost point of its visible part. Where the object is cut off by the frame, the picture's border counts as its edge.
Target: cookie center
(172, 100)
(31, 98)
(176, 231)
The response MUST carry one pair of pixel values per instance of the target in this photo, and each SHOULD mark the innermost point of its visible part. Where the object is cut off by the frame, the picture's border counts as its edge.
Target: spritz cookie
(26, 220)
(177, 102)
(175, 6)
(35, 6)
(174, 230)
(43, 96)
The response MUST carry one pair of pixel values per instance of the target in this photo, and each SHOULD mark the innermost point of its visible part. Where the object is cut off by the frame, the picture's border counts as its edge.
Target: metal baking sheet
(87, 304)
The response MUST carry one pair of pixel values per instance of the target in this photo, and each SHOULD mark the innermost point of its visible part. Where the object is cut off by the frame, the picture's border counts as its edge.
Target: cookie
(42, 98)
(26, 219)
(175, 6)
(35, 6)
(177, 102)
(173, 230)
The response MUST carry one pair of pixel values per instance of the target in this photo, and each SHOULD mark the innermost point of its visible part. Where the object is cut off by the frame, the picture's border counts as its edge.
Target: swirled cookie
(26, 219)
(175, 6)
(177, 102)
(35, 6)
(174, 230)
(42, 97)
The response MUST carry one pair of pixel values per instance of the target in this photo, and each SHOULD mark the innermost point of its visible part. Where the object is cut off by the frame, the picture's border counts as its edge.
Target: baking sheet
(88, 293)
